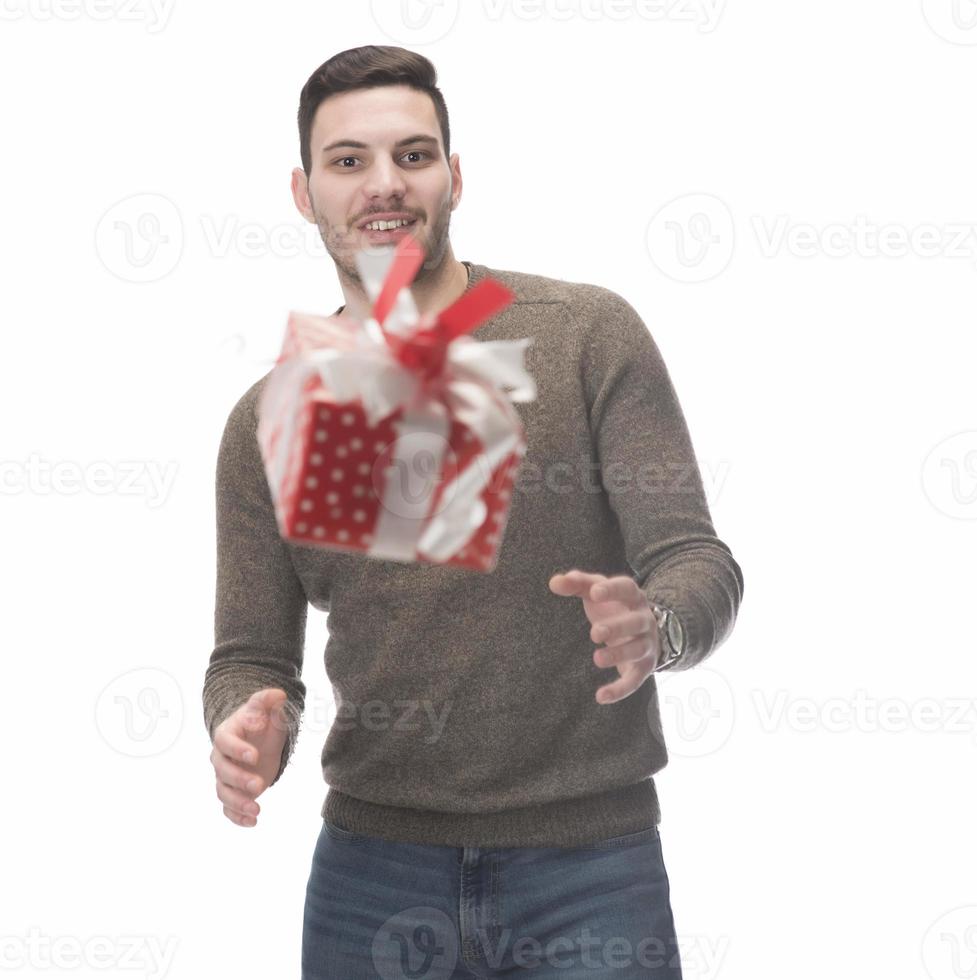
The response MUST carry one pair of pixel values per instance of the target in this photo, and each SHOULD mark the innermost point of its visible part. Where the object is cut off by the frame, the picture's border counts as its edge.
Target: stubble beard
(342, 246)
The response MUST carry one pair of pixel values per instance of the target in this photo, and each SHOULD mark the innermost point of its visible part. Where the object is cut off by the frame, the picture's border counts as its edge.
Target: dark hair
(366, 67)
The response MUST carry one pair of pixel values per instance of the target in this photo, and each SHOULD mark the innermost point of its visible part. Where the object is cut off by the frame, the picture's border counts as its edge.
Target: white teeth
(387, 225)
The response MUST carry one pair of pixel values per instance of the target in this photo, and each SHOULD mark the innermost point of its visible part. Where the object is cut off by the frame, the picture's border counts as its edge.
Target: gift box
(395, 436)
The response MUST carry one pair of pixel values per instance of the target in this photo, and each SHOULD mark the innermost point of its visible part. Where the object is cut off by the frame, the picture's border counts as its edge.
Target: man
(491, 807)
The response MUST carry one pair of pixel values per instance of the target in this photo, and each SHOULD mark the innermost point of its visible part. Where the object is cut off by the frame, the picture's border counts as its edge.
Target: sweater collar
(475, 274)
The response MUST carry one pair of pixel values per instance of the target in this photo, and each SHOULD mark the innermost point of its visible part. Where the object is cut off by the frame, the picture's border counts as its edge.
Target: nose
(384, 180)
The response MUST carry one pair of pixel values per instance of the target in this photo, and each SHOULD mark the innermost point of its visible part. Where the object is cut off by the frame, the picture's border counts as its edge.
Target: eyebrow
(357, 145)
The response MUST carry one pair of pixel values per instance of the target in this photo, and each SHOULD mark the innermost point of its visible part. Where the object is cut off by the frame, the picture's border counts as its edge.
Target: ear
(454, 165)
(300, 194)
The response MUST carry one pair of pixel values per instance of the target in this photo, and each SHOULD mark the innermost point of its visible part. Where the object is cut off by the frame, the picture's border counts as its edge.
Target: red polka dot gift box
(394, 437)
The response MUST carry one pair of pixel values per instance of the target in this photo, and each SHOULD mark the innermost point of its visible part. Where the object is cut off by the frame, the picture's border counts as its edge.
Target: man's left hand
(622, 619)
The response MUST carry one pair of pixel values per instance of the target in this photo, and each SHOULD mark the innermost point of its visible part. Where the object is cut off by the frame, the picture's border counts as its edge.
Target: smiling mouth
(393, 227)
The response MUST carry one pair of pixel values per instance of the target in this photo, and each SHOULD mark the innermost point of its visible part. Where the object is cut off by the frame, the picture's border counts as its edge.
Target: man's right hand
(247, 753)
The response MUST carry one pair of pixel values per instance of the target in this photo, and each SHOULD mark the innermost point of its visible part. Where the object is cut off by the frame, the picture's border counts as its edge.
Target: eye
(422, 153)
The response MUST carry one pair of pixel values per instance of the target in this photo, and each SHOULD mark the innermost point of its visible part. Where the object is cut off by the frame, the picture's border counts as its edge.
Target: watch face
(675, 636)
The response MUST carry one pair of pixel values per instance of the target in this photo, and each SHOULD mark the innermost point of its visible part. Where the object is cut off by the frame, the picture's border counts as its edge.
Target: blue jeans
(382, 909)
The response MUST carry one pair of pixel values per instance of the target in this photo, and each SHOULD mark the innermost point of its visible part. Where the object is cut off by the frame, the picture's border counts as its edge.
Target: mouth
(388, 234)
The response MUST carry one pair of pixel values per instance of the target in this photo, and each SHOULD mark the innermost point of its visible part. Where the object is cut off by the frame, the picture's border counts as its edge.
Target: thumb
(263, 706)
(268, 700)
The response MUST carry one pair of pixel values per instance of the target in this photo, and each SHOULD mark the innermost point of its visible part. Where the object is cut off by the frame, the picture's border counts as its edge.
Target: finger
(242, 820)
(236, 801)
(620, 588)
(636, 674)
(231, 774)
(575, 582)
(627, 624)
(235, 747)
(634, 648)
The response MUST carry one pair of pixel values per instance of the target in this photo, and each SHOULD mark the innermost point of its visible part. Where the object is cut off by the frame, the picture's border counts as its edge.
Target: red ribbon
(425, 351)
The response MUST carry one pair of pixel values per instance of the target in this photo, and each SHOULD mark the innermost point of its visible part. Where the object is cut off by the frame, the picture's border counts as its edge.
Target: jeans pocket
(342, 834)
(625, 840)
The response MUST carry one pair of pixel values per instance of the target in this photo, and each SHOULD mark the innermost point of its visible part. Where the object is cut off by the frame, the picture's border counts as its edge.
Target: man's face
(350, 184)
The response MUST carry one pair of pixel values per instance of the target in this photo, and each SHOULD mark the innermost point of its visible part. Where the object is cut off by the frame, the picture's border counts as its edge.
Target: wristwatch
(671, 635)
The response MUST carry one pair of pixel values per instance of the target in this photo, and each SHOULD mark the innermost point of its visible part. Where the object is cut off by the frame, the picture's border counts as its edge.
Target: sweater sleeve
(652, 479)
(261, 607)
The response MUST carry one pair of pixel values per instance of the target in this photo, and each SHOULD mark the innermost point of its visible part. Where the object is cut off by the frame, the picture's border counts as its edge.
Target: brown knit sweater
(465, 700)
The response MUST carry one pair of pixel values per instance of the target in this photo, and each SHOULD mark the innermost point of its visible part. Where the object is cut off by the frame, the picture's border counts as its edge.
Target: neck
(430, 293)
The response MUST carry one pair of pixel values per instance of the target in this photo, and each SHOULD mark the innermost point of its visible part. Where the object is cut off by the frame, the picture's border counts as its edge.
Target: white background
(819, 800)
